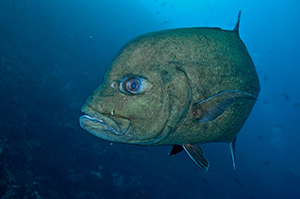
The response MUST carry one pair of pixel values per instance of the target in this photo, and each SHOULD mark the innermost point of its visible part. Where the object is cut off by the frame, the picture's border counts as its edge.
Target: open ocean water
(53, 54)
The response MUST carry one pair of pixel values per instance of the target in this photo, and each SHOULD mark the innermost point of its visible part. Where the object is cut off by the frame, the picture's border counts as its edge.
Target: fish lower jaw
(94, 125)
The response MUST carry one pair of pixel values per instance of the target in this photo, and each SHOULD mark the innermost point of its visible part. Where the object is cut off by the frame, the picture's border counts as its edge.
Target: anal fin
(232, 151)
(196, 153)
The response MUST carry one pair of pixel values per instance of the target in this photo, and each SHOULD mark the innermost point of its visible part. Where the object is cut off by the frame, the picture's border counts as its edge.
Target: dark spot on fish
(157, 12)
(164, 3)
(266, 102)
(296, 104)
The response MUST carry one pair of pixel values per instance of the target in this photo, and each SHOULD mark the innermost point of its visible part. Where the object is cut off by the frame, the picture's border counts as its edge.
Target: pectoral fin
(214, 106)
(196, 154)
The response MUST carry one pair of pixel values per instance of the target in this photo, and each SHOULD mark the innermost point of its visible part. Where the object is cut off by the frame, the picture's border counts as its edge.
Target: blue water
(53, 54)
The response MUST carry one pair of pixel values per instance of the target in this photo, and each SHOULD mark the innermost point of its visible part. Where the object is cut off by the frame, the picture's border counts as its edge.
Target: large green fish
(176, 87)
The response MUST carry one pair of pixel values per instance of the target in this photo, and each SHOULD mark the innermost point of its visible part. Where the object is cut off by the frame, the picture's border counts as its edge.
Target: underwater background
(53, 54)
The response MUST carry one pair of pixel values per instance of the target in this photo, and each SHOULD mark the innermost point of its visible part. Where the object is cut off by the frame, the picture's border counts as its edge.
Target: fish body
(176, 87)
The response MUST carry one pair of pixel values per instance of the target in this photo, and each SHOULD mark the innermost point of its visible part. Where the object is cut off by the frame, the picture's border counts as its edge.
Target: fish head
(133, 103)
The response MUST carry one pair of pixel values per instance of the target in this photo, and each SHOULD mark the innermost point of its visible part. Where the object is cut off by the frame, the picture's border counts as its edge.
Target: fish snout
(109, 127)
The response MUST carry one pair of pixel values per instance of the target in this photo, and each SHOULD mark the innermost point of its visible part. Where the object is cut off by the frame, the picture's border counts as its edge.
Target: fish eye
(134, 85)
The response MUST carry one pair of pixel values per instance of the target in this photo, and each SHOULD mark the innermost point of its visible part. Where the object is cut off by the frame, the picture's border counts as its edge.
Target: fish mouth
(102, 125)
(95, 122)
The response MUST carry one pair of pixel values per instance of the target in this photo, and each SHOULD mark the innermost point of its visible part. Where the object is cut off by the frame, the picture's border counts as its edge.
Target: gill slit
(190, 96)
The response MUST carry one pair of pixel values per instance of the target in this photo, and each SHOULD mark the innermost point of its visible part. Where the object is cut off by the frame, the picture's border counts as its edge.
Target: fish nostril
(114, 85)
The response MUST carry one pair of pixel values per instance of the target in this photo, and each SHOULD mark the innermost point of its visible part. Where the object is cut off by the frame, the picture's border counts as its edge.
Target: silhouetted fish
(205, 181)
(286, 96)
(259, 137)
(267, 162)
(265, 77)
(239, 182)
(166, 21)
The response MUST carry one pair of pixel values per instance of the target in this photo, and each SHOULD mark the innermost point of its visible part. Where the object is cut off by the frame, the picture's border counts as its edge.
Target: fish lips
(103, 126)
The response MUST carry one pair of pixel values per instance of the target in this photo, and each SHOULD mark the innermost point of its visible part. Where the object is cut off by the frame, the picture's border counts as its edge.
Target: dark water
(53, 54)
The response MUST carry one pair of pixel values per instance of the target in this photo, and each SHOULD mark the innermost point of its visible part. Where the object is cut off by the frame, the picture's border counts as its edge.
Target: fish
(296, 104)
(205, 181)
(164, 3)
(239, 182)
(267, 162)
(285, 95)
(265, 78)
(259, 137)
(271, 51)
(166, 21)
(178, 87)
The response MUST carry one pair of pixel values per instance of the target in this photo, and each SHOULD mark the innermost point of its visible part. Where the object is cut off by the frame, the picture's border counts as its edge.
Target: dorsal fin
(237, 25)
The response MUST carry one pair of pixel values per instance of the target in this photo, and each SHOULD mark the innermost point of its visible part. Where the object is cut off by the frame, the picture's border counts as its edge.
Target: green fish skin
(176, 87)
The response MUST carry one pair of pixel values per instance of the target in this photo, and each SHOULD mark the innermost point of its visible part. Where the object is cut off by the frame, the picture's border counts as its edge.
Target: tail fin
(236, 28)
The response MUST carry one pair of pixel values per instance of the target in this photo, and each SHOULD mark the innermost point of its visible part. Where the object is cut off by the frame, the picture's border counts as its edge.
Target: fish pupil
(133, 85)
